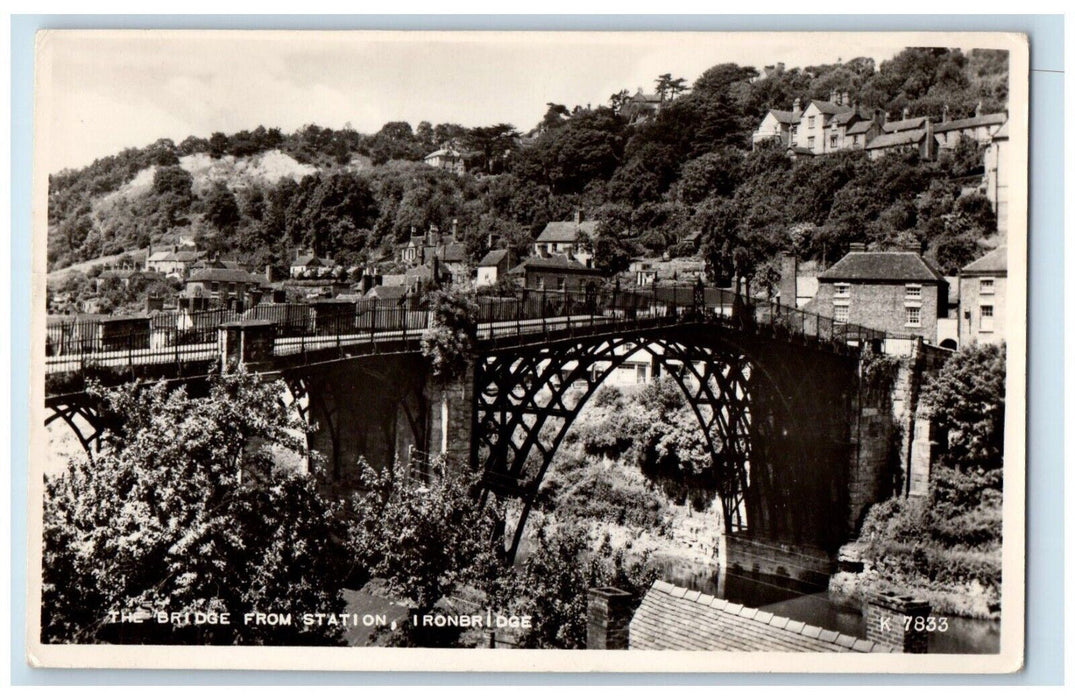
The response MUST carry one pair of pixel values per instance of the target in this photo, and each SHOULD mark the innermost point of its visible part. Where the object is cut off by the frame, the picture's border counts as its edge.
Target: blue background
(1045, 476)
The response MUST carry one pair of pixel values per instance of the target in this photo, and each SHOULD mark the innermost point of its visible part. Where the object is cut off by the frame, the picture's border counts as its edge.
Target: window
(914, 316)
(841, 289)
(839, 314)
(832, 141)
(640, 374)
(985, 285)
(987, 318)
(810, 142)
(810, 122)
(914, 291)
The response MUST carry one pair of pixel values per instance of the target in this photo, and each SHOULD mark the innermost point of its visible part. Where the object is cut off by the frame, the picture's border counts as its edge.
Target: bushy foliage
(186, 510)
(448, 343)
(552, 585)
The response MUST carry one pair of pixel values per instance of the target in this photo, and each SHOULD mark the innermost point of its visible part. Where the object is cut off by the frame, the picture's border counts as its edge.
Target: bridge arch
(527, 399)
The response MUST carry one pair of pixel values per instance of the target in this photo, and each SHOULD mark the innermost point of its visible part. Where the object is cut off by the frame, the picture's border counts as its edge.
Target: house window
(842, 289)
(640, 374)
(810, 122)
(987, 318)
(810, 141)
(914, 291)
(839, 314)
(985, 285)
(832, 141)
(914, 316)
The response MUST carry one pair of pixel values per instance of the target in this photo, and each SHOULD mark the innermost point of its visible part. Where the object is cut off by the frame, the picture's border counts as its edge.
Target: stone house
(896, 291)
(493, 266)
(998, 163)
(225, 283)
(174, 263)
(983, 291)
(309, 263)
(567, 238)
(556, 273)
(778, 125)
(448, 159)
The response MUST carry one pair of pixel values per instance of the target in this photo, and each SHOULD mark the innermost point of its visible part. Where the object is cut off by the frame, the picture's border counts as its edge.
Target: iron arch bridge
(770, 386)
(775, 416)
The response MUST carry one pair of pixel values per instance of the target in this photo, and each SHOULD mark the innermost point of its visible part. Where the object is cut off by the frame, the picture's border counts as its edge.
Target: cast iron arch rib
(515, 441)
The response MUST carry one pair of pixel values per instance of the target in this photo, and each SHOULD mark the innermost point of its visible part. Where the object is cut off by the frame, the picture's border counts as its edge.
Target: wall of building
(882, 305)
(971, 301)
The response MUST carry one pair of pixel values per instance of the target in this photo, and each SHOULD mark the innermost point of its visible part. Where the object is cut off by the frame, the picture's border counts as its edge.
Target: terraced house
(841, 124)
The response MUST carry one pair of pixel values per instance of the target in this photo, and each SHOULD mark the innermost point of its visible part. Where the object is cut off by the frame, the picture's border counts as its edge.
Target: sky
(100, 92)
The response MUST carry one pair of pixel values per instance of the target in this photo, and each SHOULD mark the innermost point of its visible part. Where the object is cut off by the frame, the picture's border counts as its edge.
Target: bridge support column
(744, 554)
(451, 408)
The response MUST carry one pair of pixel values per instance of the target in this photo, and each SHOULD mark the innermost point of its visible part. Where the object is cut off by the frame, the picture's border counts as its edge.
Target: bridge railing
(543, 311)
(179, 336)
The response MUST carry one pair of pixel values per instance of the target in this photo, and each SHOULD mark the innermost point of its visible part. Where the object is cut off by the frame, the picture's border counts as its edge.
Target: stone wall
(755, 555)
(893, 438)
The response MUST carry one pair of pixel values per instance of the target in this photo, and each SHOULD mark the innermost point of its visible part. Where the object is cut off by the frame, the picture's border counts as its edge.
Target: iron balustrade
(72, 344)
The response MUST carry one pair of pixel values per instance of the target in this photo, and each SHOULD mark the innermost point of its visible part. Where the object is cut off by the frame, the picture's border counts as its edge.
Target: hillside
(652, 177)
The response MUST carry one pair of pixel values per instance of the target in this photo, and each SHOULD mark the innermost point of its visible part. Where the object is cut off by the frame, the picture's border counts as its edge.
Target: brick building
(983, 291)
(556, 273)
(895, 291)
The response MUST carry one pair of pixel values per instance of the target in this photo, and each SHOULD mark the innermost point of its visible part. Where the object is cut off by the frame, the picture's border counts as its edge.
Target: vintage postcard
(584, 351)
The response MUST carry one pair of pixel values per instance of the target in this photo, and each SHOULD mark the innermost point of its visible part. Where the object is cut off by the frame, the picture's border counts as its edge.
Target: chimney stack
(847, 98)
(796, 107)
(455, 229)
(978, 109)
(608, 618)
(944, 114)
(268, 273)
(906, 112)
(578, 218)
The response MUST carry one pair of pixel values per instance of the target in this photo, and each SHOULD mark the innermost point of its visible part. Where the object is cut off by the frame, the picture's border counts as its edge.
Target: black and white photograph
(475, 350)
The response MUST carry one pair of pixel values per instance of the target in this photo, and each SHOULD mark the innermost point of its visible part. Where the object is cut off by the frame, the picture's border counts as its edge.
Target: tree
(221, 209)
(449, 340)
(218, 145)
(188, 509)
(426, 539)
(610, 254)
(966, 401)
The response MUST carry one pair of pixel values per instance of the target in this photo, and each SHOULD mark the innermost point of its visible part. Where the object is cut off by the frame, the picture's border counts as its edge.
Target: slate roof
(304, 260)
(830, 107)
(454, 252)
(882, 266)
(971, 122)
(860, 127)
(440, 153)
(387, 293)
(221, 274)
(901, 138)
(904, 124)
(995, 261)
(785, 117)
(675, 618)
(565, 231)
(493, 258)
(553, 262)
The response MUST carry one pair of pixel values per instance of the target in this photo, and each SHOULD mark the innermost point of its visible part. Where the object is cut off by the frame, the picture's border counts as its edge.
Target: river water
(792, 599)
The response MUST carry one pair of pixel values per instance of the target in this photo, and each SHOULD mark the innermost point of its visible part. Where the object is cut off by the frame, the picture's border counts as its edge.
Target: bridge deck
(301, 329)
